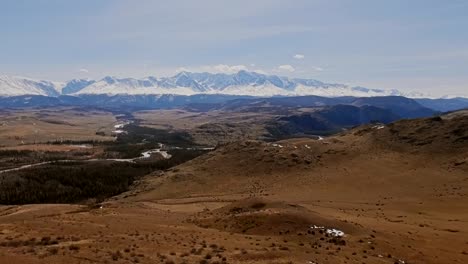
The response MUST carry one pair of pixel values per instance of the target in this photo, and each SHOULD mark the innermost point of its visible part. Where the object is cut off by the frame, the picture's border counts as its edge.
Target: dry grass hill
(398, 193)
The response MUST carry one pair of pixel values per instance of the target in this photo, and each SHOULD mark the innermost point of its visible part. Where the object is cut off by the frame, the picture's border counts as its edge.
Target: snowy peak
(187, 83)
(12, 86)
(76, 85)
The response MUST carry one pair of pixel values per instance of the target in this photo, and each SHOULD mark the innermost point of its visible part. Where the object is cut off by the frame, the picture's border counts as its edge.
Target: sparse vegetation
(190, 212)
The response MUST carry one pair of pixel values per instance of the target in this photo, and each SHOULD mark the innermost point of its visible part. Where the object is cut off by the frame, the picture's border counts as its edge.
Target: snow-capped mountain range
(187, 83)
(14, 86)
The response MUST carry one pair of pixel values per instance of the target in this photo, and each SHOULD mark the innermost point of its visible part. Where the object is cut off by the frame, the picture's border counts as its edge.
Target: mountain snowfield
(15, 86)
(187, 83)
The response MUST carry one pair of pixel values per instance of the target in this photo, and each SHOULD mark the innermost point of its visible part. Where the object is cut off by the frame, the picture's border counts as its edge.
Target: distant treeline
(16, 158)
(15, 153)
(138, 134)
(75, 182)
(77, 142)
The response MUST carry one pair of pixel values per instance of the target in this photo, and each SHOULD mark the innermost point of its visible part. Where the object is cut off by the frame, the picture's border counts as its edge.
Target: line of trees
(75, 182)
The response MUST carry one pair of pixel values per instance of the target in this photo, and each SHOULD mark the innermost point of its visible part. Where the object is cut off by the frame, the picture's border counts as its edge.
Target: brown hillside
(397, 192)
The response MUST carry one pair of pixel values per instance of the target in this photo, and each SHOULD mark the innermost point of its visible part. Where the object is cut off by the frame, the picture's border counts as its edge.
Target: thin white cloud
(83, 70)
(220, 68)
(260, 71)
(182, 69)
(299, 56)
(286, 67)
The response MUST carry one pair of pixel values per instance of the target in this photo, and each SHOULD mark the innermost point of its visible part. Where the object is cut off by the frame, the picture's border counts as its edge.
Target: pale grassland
(208, 128)
(32, 126)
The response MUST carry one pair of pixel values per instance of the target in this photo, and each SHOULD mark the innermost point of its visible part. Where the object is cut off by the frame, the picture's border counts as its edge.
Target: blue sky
(403, 44)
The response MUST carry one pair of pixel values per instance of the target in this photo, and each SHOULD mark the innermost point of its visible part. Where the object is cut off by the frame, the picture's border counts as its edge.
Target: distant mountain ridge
(17, 86)
(243, 83)
(400, 106)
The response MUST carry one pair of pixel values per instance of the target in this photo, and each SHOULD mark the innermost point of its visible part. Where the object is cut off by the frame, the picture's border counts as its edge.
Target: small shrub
(74, 247)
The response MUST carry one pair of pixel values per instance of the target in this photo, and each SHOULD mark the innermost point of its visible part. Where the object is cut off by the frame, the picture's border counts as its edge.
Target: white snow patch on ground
(317, 227)
(207, 148)
(277, 145)
(147, 154)
(335, 232)
(164, 154)
(122, 125)
(82, 146)
(331, 231)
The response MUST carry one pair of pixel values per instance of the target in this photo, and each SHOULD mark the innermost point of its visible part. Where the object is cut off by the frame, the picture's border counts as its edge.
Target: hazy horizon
(409, 46)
